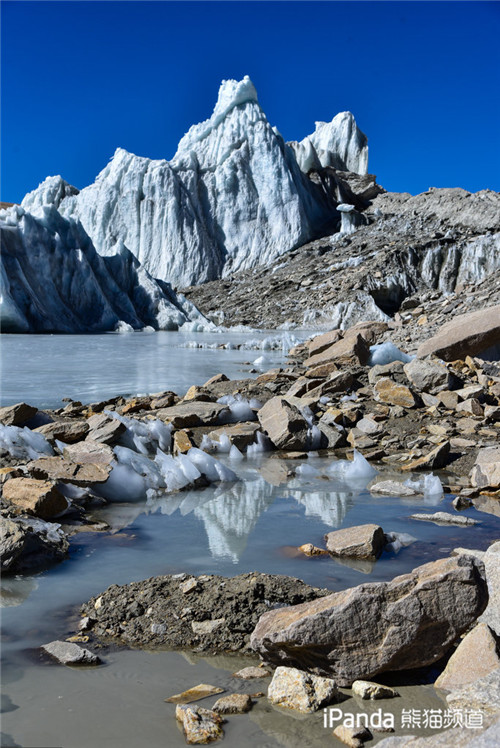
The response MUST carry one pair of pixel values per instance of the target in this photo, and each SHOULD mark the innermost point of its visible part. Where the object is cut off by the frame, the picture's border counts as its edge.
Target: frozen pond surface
(252, 525)
(42, 369)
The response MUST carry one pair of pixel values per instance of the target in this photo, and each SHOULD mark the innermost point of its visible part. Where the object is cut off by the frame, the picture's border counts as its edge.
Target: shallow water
(255, 524)
(42, 369)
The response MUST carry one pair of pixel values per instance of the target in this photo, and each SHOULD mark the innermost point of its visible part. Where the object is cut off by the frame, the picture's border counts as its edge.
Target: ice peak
(232, 93)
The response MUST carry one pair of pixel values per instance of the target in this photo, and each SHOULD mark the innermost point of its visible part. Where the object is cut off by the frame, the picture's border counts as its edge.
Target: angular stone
(486, 470)
(68, 431)
(29, 545)
(322, 370)
(216, 379)
(194, 413)
(369, 426)
(433, 460)
(105, 429)
(352, 350)
(207, 627)
(446, 518)
(302, 386)
(59, 469)
(482, 694)
(320, 343)
(37, 497)
(181, 442)
(233, 703)
(448, 399)
(367, 689)
(331, 437)
(491, 615)
(163, 400)
(200, 725)
(135, 405)
(201, 691)
(394, 394)
(308, 549)
(428, 376)
(196, 393)
(465, 335)
(339, 381)
(362, 541)
(392, 488)
(89, 452)
(284, 424)
(17, 415)
(475, 657)
(354, 737)
(355, 634)
(240, 434)
(249, 673)
(472, 406)
(394, 371)
(492, 413)
(71, 654)
(370, 330)
(302, 691)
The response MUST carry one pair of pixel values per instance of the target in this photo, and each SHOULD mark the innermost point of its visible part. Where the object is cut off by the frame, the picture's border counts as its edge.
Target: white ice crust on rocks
(234, 195)
(53, 280)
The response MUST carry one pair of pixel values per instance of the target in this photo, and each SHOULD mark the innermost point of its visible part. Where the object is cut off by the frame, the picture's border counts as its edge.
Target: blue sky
(80, 79)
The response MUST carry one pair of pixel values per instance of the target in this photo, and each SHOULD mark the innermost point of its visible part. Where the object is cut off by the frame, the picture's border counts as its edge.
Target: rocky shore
(433, 420)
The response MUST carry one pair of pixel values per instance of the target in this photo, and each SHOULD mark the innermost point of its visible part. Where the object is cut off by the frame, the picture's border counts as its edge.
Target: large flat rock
(360, 632)
(465, 335)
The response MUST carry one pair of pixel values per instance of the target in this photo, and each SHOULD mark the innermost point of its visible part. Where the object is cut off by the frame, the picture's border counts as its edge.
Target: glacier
(235, 195)
(53, 280)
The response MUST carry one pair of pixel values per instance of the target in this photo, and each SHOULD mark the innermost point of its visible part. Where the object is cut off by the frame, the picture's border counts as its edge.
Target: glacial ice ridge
(235, 195)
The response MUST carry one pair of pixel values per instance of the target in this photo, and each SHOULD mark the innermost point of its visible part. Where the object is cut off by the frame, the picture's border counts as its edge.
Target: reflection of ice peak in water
(330, 506)
(230, 517)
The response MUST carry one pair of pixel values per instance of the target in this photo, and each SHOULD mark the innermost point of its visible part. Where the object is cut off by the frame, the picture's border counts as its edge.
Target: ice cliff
(235, 195)
(53, 280)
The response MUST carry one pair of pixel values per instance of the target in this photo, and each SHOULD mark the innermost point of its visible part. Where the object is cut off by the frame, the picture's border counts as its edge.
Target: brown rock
(16, 415)
(181, 443)
(362, 541)
(284, 424)
(433, 460)
(163, 400)
(196, 393)
(389, 392)
(448, 399)
(135, 405)
(200, 725)
(105, 429)
(370, 330)
(465, 335)
(302, 691)
(386, 626)
(201, 691)
(352, 350)
(194, 413)
(339, 381)
(233, 703)
(475, 657)
(472, 406)
(321, 342)
(354, 737)
(89, 452)
(60, 469)
(308, 549)
(216, 379)
(240, 434)
(322, 370)
(37, 497)
(69, 431)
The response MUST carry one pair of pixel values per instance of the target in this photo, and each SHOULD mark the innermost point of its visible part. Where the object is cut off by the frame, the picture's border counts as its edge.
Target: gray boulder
(362, 541)
(29, 544)
(387, 626)
(428, 376)
(68, 653)
(284, 424)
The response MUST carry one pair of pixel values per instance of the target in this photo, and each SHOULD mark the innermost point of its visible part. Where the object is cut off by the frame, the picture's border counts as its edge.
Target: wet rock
(68, 431)
(367, 689)
(475, 657)
(201, 691)
(349, 351)
(465, 335)
(194, 413)
(302, 691)
(357, 633)
(30, 544)
(37, 497)
(363, 541)
(428, 376)
(240, 434)
(392, 488)
(105, 429)
(308, 549)
(354, 737)
(17, 415)
(388, 391)
(233, 703)
(200, 725)
(486, 470)
(68, 653)
(445, 518)
(433, 460)
(284, 424)
(461, 502)
(249, 673)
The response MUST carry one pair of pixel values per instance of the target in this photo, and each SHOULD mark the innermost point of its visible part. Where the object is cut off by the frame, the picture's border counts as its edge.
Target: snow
(24, 444)
(339, 143)
(386, 353)
(53, 280)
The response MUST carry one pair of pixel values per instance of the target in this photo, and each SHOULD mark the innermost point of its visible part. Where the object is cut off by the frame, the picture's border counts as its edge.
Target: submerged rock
(202, 691)
(200, 725)
(363, 541)
(233, 703)
(356, 634)
(68, 653)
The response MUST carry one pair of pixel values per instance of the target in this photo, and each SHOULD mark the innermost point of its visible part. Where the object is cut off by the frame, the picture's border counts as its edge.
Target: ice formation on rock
(53, 280)
(234, 195)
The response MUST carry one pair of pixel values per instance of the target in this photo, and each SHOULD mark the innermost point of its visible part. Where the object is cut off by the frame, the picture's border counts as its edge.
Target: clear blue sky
(80, 79)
